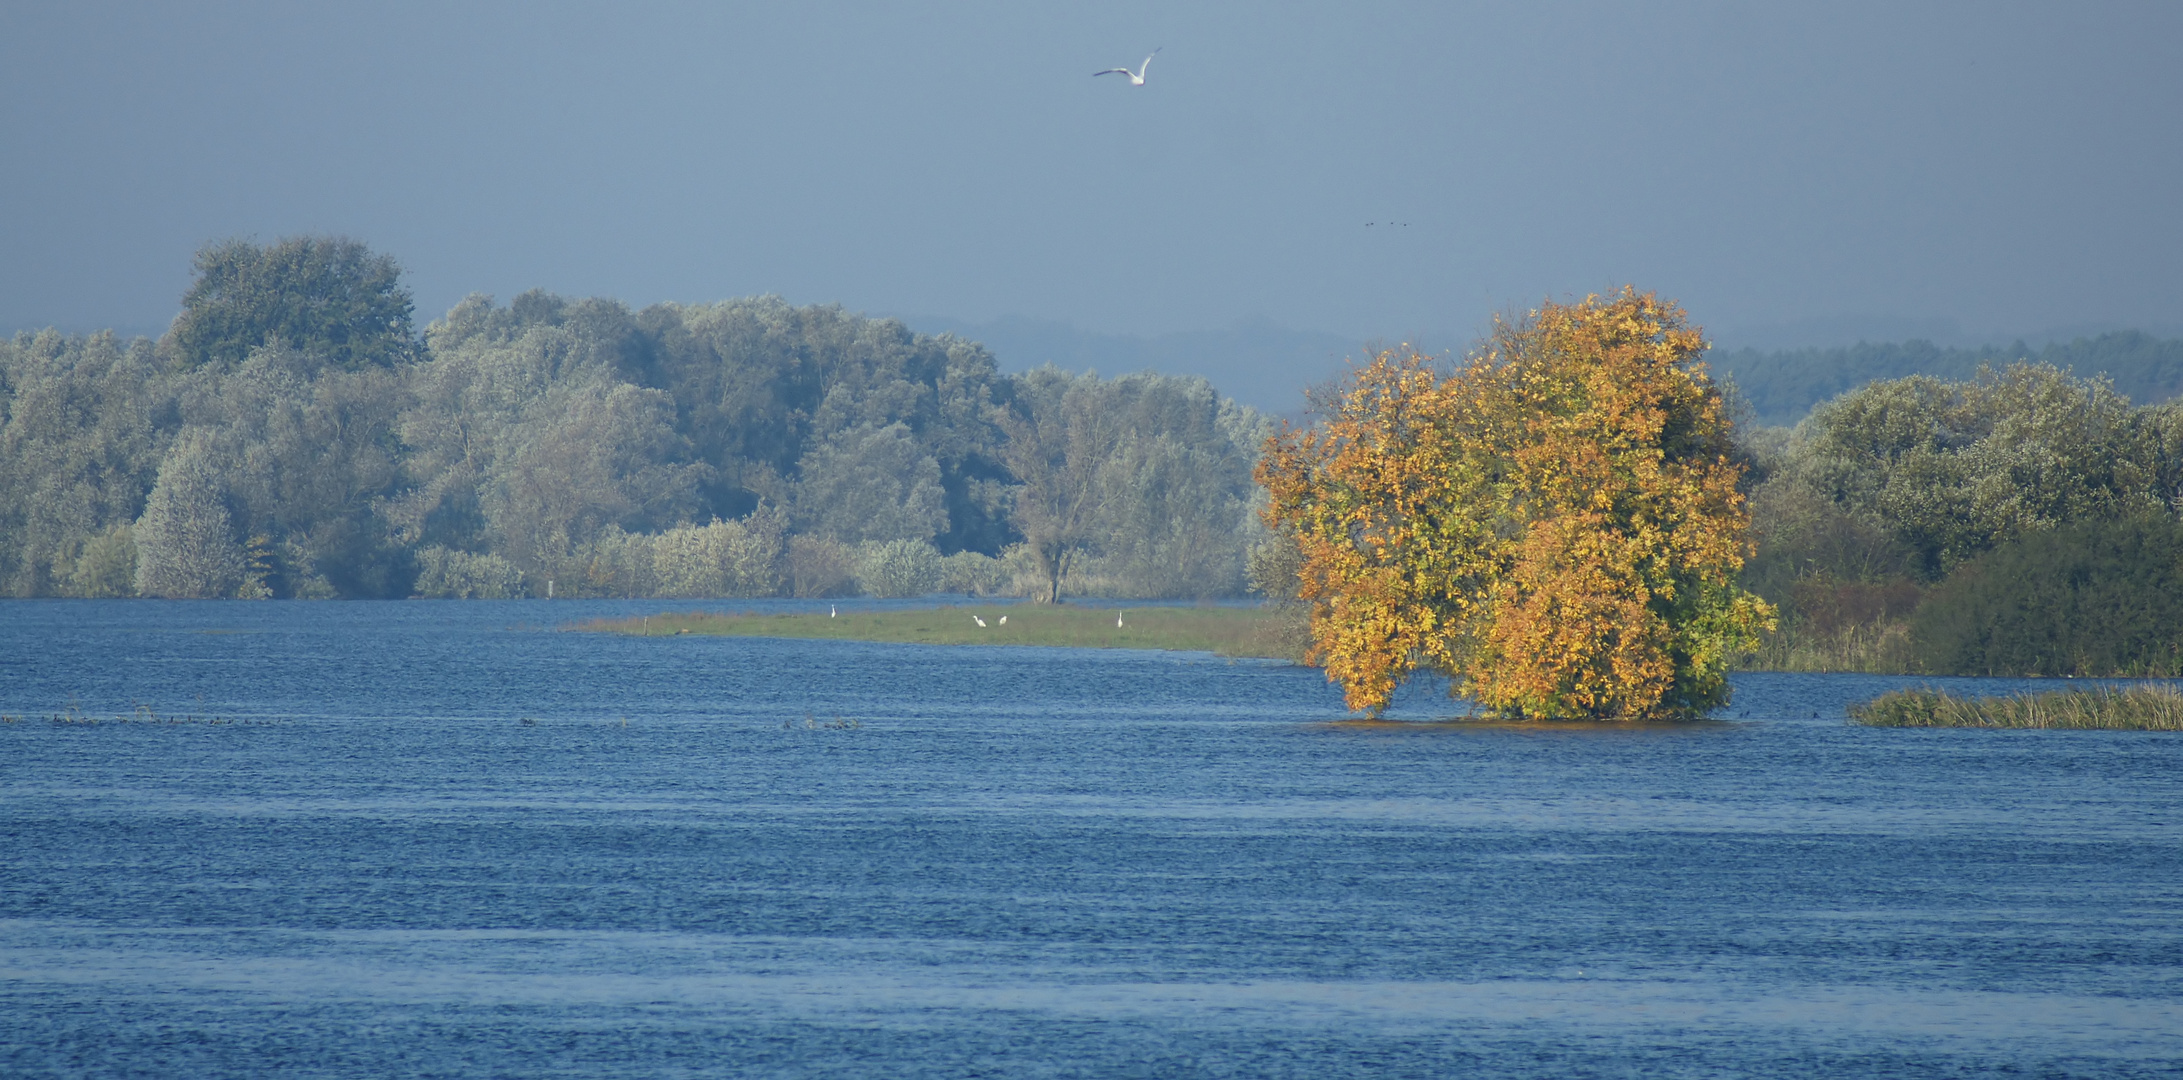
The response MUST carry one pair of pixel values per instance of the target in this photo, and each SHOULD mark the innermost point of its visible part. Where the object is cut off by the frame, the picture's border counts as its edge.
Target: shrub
(444, 573)
(613, 563)
(974, 574)
(725, 558)
(2100, 598)
(1271, 568)
(820, 566)
(897, 569)
(107, 565)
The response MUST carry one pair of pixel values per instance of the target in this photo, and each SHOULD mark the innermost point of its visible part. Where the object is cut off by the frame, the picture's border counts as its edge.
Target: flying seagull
(1137, 77)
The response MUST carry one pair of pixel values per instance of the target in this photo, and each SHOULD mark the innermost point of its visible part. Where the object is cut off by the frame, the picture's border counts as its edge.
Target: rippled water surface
(447, 839)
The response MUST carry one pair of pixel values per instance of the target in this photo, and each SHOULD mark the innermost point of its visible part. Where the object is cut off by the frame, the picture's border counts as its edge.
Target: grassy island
(1227, 631)
(2156, 707)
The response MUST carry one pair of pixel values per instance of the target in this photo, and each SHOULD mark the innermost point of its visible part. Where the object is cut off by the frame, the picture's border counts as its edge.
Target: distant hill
(1783, 385)
(1268, 366)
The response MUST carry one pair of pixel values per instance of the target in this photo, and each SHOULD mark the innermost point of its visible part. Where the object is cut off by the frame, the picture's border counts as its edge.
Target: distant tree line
(294, 435)
(1781, 386)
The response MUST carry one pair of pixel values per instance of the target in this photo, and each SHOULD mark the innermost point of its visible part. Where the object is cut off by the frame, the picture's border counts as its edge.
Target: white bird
(832, 611)
(1004, 620)
(1118, 620)
(1137, 77)
(979, 621)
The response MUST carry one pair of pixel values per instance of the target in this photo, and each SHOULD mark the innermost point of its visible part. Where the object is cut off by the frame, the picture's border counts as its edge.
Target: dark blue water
(724, 857)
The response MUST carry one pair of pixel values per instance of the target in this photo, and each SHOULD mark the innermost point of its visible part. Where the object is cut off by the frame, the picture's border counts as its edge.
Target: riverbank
(1225, 631)
(2158, 707)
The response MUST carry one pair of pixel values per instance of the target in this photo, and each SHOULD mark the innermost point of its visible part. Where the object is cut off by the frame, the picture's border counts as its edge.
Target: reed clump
(2155, 707)
(1878, 647)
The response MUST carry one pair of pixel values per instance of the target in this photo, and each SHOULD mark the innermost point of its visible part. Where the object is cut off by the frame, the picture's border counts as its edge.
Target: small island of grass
(1226, 631)
(2156, 707)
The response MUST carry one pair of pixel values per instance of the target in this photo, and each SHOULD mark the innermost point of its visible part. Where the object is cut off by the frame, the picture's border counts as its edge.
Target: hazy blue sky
(1999, 168)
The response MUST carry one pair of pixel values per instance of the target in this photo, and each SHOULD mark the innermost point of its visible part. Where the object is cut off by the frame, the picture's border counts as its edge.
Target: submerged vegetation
(1226, 631)
(2158, 707)
(75, 716)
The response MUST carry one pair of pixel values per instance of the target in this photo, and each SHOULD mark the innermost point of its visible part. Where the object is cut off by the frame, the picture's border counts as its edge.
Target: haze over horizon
(1966, 173)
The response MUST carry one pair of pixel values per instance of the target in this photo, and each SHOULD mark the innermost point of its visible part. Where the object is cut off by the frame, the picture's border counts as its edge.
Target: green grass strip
(2154, 707)
(1226, 631)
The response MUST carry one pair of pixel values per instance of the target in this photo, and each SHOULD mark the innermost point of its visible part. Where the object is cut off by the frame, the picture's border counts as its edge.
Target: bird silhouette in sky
(1137, 77)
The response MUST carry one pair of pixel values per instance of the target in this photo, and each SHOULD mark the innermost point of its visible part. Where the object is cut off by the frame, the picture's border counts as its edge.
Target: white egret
(1118, 620)
(832, 611)
(1137, 77)
(1004, 620)
(979, 621)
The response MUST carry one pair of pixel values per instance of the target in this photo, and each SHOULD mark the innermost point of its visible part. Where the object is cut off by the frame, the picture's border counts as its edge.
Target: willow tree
(1554, 523)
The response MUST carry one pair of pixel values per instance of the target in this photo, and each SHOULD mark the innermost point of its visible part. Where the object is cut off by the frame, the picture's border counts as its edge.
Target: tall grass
(1878, 647)
(2156, 707)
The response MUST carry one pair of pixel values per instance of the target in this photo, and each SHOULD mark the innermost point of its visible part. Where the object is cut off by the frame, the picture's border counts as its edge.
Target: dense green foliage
(1781, 386)
(1953, 469)
(1135, 486)
(329, 297)
(289, 437)
(1898, 488)
(2100, 598)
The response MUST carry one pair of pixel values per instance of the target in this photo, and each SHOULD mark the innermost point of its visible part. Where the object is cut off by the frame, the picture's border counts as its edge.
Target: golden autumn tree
(1554, 524)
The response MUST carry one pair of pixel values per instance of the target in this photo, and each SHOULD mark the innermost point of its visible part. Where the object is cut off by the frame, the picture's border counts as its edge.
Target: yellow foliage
(1554, 524)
